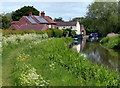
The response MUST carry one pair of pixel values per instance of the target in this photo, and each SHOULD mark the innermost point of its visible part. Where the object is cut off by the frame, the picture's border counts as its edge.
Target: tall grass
(54, 64)
(8, 32)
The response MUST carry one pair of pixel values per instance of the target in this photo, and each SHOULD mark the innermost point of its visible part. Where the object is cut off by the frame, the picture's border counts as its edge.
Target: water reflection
(78, 46)
(95, 53)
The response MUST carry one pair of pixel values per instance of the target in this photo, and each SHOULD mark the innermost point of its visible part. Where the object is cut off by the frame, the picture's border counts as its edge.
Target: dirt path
(7, 68)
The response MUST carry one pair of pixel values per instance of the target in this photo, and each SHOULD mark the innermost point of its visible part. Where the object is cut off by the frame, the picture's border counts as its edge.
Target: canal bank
(55, 64)
(96, 53)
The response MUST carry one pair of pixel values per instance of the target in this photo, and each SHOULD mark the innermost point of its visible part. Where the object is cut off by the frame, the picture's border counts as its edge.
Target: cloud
(66, 10)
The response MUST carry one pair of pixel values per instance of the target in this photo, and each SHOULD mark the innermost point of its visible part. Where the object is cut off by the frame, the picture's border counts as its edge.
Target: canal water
(92, 50)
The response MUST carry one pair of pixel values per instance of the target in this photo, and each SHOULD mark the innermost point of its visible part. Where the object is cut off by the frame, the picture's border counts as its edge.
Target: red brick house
(41, 22)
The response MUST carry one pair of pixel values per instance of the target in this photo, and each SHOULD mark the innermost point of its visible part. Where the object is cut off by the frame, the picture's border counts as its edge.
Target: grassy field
(42, 61)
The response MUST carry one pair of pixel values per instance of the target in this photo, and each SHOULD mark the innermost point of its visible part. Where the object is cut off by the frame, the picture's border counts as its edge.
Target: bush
(104, 40)
(56, 32)
(14, 29)
(69, 32)
(111, 42)
(114, 44)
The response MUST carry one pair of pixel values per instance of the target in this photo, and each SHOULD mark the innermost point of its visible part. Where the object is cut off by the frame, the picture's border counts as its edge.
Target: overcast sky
(66, 10)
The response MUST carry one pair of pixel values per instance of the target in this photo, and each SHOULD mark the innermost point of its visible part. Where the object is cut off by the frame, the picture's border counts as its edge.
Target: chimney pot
(42, 13)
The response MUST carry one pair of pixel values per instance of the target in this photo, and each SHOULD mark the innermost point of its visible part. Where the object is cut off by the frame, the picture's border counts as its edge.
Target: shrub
(114, 44)
(56, 32)
(14, 29)
(111, 42)
(104, 40)
(69, 32)
(50, 32)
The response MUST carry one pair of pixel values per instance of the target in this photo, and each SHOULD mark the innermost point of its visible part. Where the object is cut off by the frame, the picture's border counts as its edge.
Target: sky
(66, 10)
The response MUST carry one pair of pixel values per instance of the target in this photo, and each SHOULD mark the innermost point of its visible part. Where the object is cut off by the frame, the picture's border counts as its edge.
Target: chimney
(42, 14)
(30, 13)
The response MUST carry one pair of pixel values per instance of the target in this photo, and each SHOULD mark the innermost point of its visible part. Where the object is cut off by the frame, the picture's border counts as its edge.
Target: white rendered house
(75, 26)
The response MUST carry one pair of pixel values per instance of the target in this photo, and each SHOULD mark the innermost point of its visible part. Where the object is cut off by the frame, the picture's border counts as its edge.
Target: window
(57, 27)
(63, 27)
(70, 27)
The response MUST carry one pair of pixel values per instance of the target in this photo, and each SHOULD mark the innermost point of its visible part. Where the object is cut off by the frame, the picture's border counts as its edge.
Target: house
(41, 22)
(75, 26)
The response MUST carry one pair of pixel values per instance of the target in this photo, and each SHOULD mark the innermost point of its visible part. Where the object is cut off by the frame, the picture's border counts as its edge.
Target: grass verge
(51, 63)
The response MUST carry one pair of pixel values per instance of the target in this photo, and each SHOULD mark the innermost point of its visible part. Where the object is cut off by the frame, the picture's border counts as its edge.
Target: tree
(59, 19)
(0, 21)
(77, 19)
(102, 17)
(6, 20)
(24, 11)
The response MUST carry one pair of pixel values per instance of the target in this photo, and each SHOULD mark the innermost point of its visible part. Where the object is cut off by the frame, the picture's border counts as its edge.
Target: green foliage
(15, 49)
(77, 19)
(104, 40)
(24, 11)
(56, 63)
(68, 31)
(5, 20)
(60, 19)
(68, 40)
(9, 32)
(56, 32)
(14, 29)
(102, 17)
(50, 32)
(90, 30)
(111, 42)
(0, 21)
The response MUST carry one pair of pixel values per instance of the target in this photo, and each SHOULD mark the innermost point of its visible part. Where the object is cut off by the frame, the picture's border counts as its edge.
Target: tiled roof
(49, 20)
(34, 27)
(66, 23)
(14, 26)
(32, 22)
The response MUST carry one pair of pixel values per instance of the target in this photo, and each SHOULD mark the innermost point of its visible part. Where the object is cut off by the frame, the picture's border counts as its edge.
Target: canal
(96, 53)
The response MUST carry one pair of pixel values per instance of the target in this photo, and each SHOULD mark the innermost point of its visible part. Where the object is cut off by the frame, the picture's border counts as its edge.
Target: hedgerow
(50, 32)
